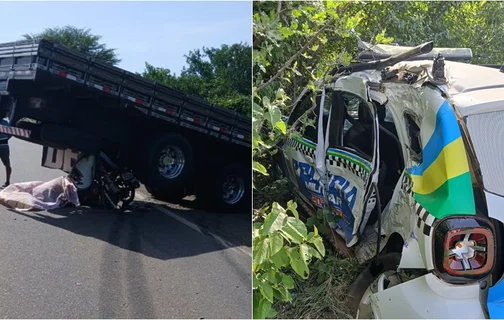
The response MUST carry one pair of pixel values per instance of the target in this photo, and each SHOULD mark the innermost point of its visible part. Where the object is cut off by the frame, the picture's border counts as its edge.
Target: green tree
(218, 75)
(80, 39)
(161, 75)
(469, 24)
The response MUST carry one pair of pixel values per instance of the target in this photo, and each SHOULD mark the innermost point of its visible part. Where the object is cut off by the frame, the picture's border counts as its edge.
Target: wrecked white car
(410, 150)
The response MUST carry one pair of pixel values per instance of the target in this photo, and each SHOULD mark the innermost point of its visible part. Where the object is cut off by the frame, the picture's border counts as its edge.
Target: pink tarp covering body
(38, 195)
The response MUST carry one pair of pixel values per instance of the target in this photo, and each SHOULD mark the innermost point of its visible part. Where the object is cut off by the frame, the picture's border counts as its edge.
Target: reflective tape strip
(15, 131)
(101, 88)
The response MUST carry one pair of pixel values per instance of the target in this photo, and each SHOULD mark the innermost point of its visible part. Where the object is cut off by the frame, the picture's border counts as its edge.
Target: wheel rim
(386, 280)
(233, 189)
(171, 162)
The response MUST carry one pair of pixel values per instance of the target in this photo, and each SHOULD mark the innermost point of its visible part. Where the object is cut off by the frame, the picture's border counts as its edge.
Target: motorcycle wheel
(125, 202)
(379, 275)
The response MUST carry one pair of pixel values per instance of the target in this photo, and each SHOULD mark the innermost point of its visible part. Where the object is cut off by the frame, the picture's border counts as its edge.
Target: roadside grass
(323, 294)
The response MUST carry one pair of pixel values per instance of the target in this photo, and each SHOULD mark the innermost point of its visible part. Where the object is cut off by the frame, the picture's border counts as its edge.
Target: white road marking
(195, 227)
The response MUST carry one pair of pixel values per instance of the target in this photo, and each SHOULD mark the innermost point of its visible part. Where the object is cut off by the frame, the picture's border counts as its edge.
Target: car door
(352, 153)
(348, 170)
(299, 150)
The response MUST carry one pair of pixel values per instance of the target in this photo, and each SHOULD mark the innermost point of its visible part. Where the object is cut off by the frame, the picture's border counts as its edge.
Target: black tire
(383, 263)
(164, 187)
(211, 195)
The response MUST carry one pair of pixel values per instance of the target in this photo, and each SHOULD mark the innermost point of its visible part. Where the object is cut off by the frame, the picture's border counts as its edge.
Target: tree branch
(291, 60)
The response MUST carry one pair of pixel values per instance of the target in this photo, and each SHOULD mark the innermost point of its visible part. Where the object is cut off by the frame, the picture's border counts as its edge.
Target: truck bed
(43, 61)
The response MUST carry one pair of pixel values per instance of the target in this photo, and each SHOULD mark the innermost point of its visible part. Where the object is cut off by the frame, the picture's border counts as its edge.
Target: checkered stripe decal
(333, 160)
(301, 148)
(425, 220)
(343, 163)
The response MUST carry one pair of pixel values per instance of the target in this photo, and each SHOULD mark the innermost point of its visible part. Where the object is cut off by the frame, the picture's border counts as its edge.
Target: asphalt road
(172, 262)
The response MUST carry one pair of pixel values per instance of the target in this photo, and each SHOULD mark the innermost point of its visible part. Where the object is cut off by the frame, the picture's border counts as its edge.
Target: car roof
(471, 88)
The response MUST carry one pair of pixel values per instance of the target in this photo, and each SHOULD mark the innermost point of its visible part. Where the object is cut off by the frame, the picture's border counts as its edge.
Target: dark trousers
(5, 155)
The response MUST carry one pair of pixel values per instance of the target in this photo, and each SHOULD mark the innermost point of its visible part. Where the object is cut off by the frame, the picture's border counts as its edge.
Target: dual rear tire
(169, 175)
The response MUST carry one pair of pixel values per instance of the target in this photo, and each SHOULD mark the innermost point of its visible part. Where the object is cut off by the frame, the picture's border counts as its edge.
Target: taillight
(464, 249)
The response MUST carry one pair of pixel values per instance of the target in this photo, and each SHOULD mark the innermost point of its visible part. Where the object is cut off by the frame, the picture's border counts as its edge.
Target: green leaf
(256, 166)
(257, 109)
(266, 102)
(296, 13)
(260, 251)
(276, 242)
(274, 221)
(304, 250)
(275, 115)
(319, 244)
(311, 221)
(292, 207)
(283, 294)
(281, 258)
(255, 282)
(262, 308)
(298, 263)
(288, 282)
(266, 291)
(286, 32)
(281, 125)
(314, 252)
(295, 230)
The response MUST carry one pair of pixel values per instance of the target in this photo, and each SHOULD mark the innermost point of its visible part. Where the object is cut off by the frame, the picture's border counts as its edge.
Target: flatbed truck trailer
(176, 144)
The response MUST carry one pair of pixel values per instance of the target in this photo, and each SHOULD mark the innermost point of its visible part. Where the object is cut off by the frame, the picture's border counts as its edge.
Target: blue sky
(157, 32)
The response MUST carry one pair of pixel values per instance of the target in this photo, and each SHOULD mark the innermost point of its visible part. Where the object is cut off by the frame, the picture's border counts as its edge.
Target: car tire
(382, 264)
(170, 184)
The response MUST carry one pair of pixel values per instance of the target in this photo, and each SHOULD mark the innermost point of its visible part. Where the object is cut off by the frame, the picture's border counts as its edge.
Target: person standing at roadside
(4, 149)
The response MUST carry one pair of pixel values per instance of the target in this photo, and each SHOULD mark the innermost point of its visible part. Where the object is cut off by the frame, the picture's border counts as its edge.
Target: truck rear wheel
(227, 190)
(169, 167)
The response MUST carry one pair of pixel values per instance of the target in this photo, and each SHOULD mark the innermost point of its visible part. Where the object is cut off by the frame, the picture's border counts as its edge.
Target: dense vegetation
(294, 44)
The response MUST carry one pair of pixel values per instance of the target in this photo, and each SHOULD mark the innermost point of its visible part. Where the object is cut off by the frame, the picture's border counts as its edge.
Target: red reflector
(197, 121)
(63, 74)
(106, 90)
(138, 101)
(468, 251)
(169, 111)
(222, 130)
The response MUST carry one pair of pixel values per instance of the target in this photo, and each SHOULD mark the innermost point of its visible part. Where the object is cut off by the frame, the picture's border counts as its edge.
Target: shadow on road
(234, 227)
(151, 233)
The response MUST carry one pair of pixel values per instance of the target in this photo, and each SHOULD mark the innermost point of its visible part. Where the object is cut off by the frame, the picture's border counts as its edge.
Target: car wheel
(379, 275)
